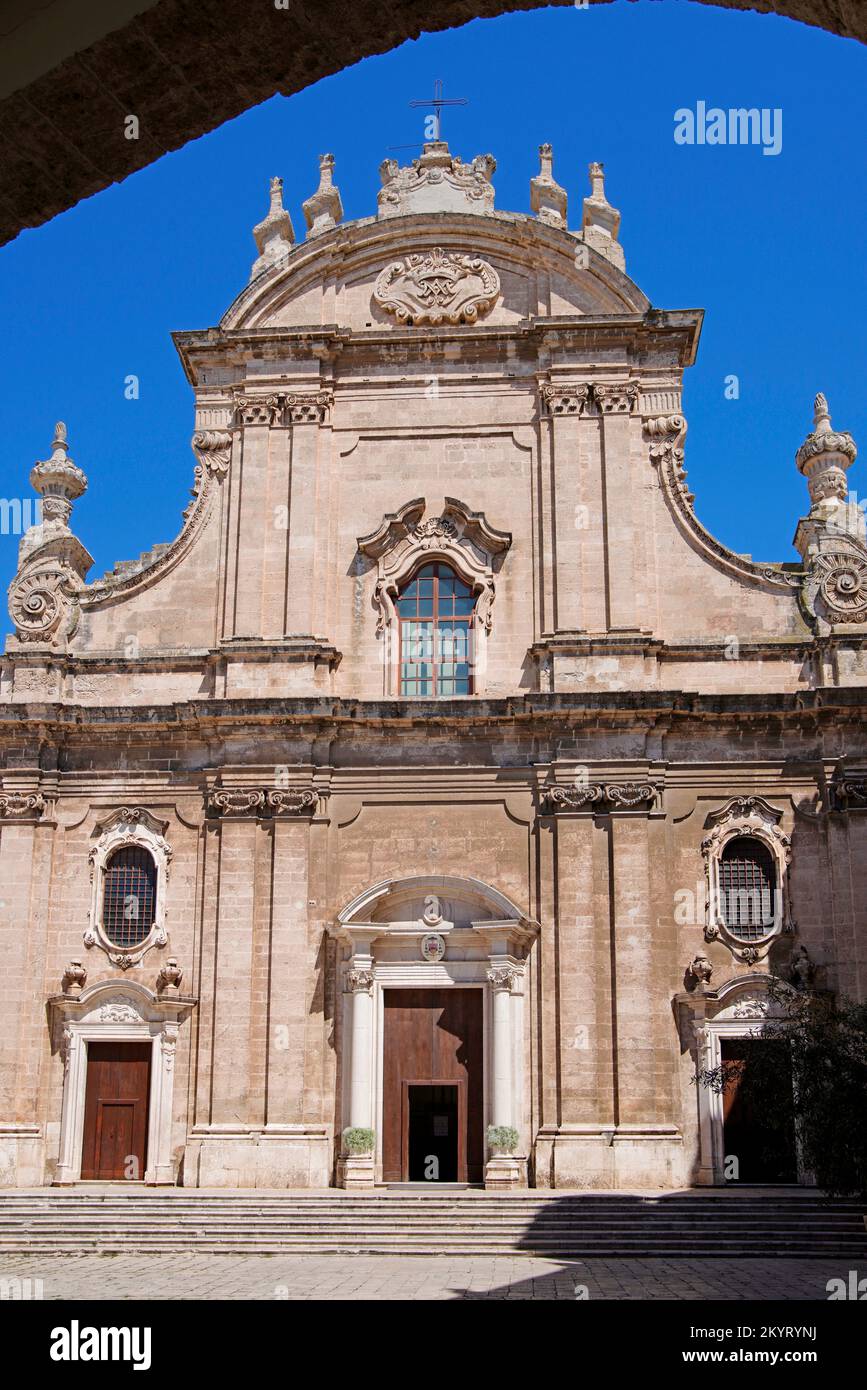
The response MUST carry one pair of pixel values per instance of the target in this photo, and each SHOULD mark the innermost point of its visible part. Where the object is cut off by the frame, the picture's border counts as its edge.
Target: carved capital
(613, 795)
(241, 802)
(291, 801)
(359, 981)
(22, 805)
(502, 978)
(849, 794)
(616, 398)
(256, 410)
(566, 399)
(310, 409)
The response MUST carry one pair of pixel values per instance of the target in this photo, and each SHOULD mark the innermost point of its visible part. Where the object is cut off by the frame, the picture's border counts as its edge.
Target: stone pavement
(314, 1277)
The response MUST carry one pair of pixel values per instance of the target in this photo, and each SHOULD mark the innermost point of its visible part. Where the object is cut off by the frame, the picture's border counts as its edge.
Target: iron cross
(439, 101)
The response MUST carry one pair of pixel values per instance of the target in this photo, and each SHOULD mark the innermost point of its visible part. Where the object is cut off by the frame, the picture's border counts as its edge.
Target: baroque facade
(443, 798)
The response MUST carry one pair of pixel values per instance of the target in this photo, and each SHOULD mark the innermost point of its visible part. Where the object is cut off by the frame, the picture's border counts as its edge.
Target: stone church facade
(444, 789)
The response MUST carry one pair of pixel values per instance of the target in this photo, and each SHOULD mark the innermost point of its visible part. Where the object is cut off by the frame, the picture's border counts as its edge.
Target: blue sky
(770, 246)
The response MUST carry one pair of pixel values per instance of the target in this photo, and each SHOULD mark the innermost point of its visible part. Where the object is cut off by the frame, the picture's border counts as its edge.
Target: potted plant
(502, 1140)
(357, 1143)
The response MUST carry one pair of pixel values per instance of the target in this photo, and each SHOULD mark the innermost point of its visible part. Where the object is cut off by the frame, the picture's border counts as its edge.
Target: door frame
(461, 1083)
(118, 1012)
(712, 1115)
(437, 978)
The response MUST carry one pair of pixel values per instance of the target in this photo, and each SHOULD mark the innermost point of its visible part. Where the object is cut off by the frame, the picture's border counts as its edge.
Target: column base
(22, 1155)
(354, 1173)
(611, 1157)
(505, 1173)
(242, 1156)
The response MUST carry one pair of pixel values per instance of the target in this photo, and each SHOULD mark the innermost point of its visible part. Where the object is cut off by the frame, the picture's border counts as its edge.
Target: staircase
(559, 1225)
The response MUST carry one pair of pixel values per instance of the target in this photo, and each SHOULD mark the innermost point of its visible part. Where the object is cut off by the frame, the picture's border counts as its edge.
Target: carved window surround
(126, 827)
(118, 1012)
(403, 542)
(754, 818)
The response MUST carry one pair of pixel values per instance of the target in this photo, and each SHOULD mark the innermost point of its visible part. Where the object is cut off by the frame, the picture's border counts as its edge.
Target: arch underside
(64, 138)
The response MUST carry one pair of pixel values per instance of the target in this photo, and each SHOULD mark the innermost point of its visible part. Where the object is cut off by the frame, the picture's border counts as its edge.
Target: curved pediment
(433, 900)
(432, 269)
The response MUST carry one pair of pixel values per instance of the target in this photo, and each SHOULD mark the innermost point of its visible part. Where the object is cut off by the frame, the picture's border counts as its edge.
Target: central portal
(433, 1092)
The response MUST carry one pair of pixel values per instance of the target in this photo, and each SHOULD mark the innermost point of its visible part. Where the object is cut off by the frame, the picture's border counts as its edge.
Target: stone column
(503, 1169)
(357, 1170)
(625, 577)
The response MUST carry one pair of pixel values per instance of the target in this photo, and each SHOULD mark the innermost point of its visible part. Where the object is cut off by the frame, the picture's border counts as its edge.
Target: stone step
(458, 1223)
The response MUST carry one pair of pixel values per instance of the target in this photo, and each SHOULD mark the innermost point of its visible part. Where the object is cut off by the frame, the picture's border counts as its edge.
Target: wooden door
(765, 1151)
(116, 1111)
(432, 1037)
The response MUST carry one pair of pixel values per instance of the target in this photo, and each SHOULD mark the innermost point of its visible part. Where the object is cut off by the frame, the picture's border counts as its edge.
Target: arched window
(435, 614)
(129, 896)
(747, 880)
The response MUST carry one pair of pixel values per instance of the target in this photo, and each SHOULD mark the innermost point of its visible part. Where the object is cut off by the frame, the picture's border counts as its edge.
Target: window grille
(746, 882)
(129, 896)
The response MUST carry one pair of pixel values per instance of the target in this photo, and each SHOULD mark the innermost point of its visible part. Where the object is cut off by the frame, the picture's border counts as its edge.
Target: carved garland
(128, 826)
(754, 818)
(261, 802)
(618, 795)
(22, 805)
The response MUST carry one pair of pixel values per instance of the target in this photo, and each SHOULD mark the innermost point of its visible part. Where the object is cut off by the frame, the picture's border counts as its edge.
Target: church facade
(441, 801)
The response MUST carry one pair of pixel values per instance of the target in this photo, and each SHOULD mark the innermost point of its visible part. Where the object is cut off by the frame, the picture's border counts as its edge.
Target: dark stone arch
(184, 67)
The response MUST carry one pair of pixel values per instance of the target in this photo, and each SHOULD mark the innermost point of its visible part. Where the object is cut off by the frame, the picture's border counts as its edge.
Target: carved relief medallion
(437, 287)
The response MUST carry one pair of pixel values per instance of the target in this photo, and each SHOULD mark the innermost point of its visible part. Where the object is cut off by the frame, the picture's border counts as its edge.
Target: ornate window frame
(749, 817)
(458, 537)
(129, 825)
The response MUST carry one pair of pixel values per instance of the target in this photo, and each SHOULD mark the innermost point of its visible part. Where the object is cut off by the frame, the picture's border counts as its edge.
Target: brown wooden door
(765, 1150)
(432, 1037)
(116, 1110)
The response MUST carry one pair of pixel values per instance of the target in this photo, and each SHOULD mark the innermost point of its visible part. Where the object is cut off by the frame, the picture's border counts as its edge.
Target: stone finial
(600, 222)
(58, 480)
(547, 199)
(274, 235)
(323, 209)
(74, 978)
(169, 977)
(824, 457)
(700, 969)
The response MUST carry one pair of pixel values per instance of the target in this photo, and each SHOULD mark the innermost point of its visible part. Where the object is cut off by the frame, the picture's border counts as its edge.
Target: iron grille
(129, 896)
(746, 881)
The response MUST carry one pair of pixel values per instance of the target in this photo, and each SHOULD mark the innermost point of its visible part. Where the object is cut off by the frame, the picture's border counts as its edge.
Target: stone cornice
(645, 708)
(642, 332)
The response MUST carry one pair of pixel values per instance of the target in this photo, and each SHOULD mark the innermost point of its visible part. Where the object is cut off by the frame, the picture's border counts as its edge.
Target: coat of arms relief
(437, 286)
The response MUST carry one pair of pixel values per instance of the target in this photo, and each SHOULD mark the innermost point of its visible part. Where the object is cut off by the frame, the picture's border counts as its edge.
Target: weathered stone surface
(230, 705)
